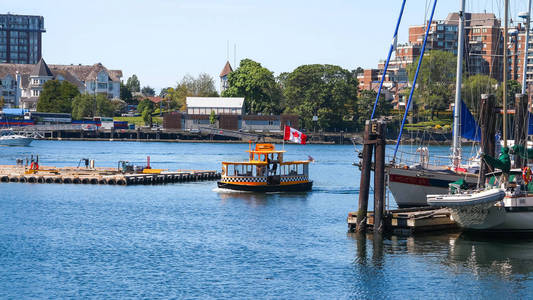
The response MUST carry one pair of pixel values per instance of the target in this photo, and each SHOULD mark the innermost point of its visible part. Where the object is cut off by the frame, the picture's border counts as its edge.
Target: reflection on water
(459, 253)
(488, 255)
(249, 198)
(257, 199)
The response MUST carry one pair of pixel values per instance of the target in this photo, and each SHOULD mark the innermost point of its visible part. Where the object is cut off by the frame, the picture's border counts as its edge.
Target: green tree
(474, 86)
(57, 96)
(147, 116)
(201, 86)
(164, 92)
(175, 97)
(365, 105)
(119, 106)
(212, 118)
(358, 71)
(513, 88)
(326, 91)
(258, 87)
(2, 101)
(436, 80)
(125, 94)
(133, 84)
(88, 105)
(145, 104)
(148, 91)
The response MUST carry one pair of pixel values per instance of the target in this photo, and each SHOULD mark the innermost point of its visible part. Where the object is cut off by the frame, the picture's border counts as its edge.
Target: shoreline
(221, 141)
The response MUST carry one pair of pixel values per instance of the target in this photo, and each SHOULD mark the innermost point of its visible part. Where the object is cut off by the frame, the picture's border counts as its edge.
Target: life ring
(527, 175)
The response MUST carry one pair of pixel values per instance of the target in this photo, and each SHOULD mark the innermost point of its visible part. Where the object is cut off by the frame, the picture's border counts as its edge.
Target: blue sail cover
(469, 128)
(530, 123)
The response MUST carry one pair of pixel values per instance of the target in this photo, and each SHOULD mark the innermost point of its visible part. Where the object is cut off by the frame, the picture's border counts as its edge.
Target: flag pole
(283, 138)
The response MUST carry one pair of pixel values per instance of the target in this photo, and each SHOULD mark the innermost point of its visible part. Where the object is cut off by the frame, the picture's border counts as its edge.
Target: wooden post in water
(487, 123)
(364, 187)
(520, 128)
(379, 176)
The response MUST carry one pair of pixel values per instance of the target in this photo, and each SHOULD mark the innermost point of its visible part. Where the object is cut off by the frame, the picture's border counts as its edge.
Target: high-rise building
(20, 38)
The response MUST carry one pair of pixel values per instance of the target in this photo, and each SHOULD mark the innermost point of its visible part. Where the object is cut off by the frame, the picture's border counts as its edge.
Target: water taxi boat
(266, 171)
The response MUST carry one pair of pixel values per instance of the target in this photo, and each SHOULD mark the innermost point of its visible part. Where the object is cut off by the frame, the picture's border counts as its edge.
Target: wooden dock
(111, 176)
(409, 221)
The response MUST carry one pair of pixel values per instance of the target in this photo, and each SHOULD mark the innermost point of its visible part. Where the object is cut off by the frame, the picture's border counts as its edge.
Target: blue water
(189, 240)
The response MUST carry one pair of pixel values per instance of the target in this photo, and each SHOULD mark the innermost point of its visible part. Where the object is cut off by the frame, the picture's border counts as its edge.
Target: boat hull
(411, 186)
(22, 141)
(297, 187)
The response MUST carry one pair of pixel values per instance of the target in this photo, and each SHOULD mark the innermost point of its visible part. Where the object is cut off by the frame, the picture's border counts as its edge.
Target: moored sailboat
(410, 182)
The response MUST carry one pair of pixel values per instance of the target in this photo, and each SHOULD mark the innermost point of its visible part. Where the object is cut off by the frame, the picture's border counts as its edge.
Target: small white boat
(467, 199)
(9, 138)
(474, 210)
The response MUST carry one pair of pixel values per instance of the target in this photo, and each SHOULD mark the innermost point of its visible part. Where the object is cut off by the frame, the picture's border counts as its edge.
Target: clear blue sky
(163, 40)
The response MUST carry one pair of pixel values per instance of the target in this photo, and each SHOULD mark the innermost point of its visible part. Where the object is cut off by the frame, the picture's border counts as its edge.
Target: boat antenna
(414, 81)
(391, 49)
(456, 148)
(504, 98)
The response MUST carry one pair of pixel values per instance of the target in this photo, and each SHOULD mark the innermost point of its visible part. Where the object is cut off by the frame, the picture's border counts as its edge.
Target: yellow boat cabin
(266, 171)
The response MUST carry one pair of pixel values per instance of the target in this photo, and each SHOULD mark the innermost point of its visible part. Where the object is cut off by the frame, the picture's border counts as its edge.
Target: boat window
(293, 170)
(260, 171)
(230, 170)
(249, 170)
(306, 169)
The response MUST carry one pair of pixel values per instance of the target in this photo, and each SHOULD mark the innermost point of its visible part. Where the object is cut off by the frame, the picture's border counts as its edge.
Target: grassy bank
(138, 121)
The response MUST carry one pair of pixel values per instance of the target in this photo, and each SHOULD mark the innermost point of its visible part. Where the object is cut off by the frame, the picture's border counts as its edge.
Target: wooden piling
(379, 177)
(364, 187)
(487, 124)
(520, 128)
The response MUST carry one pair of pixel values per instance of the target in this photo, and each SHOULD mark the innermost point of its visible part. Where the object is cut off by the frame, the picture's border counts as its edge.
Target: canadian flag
(294, 135)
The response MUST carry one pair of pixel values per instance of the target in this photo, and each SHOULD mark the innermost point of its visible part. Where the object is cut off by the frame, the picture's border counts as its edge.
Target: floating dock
(409, 221)
(111, 176)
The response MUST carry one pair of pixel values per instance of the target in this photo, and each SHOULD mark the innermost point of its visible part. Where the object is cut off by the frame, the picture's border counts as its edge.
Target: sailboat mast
(504, 102)
(526, 49)
(458, 82)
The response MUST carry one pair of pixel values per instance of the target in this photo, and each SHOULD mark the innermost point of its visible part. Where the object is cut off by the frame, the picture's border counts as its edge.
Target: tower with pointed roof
(224, 76)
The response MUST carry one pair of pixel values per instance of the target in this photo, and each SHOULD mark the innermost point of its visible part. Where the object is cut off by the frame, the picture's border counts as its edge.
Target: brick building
(483, 49)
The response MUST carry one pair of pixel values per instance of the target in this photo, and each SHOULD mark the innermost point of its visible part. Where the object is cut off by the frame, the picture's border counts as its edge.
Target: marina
(110, 176)
(118, 181)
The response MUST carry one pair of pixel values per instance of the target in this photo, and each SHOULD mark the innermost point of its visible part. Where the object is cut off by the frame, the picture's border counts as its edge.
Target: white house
(21, 84)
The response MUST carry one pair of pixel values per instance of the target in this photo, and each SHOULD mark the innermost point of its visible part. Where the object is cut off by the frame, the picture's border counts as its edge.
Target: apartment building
(20, 38)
